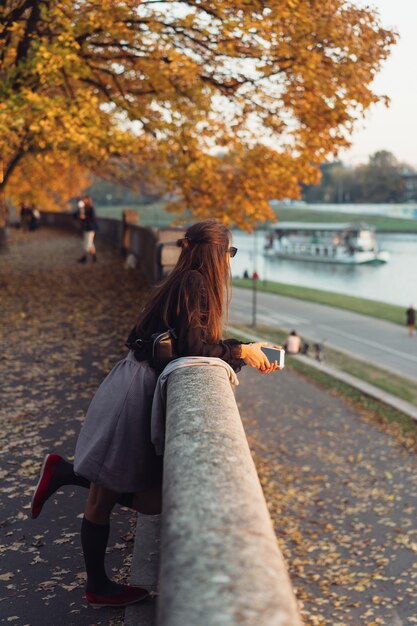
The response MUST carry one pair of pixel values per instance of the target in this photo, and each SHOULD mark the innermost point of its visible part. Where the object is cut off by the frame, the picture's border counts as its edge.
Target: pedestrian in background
(411, 319)
(25, 215)
(87, 217)
(35, 218)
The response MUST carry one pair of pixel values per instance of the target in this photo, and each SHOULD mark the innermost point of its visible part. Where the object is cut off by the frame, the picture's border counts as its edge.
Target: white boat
(350, 244)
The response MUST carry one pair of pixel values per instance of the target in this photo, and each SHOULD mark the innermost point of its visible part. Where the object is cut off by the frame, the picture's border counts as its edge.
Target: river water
(394, 282)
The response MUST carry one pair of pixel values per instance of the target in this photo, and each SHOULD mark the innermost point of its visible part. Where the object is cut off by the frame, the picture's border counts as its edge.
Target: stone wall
(155, 249)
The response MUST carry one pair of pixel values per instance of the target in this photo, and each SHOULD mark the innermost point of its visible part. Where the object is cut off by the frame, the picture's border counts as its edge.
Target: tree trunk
(3, 220)
(3, 240)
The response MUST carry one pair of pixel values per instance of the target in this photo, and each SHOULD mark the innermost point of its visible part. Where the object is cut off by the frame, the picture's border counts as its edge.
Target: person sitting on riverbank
(292, 343)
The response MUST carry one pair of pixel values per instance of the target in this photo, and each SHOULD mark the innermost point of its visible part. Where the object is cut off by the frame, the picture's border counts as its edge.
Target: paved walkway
(62, 327)
(342, 491)
(342, 494)
(383, 343)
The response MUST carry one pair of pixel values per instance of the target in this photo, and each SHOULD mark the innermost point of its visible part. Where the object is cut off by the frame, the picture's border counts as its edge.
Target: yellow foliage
(47, 181)
(277, 85)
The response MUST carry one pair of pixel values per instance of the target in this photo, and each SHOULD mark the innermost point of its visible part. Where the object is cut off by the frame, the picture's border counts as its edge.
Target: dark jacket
(411, 316)
(191, 341)
(90, 222)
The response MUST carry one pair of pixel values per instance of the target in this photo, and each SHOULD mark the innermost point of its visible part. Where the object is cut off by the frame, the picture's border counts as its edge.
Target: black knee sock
(94, 538)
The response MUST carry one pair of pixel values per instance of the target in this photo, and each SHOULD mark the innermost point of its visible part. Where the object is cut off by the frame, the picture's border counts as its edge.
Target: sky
(395, 128)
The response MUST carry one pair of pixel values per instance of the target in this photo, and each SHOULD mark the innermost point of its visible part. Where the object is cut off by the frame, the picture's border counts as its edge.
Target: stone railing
(220, 563)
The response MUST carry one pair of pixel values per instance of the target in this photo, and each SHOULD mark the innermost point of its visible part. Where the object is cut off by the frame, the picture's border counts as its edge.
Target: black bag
(161, 348)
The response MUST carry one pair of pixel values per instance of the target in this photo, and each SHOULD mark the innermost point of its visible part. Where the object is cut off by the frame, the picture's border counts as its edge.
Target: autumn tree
(276, 84)
(380, 180)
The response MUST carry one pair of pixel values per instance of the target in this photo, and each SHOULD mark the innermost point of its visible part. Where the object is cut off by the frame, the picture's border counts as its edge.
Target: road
(382, 343)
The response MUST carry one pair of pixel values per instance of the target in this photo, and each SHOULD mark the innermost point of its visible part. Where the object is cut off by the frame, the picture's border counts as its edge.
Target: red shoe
(41, 491)
(130, 596)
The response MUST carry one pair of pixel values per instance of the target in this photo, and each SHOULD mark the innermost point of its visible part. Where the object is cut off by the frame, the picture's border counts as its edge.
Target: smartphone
(274, 354)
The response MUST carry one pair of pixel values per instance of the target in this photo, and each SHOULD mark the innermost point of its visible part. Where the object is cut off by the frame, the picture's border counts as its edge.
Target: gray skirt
(114, 447)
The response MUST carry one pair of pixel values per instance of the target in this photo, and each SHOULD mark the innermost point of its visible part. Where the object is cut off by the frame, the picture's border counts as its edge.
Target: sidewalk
(341, 490)
(342, 494)
(63, 326)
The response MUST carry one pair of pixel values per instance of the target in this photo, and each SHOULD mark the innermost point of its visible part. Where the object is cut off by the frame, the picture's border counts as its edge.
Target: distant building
(409, 180)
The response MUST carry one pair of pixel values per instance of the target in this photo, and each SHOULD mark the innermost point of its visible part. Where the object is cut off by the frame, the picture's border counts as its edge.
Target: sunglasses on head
(232, 252)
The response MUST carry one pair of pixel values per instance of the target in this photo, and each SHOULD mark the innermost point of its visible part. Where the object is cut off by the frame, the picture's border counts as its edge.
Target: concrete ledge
(145, 563)
(220, 562)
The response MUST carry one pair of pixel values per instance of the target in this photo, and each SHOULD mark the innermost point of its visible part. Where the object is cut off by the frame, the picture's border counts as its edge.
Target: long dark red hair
(203, 249)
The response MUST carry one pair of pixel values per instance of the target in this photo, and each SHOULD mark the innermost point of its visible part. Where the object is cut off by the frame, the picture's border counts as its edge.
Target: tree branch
(10, 167)
(31, 24)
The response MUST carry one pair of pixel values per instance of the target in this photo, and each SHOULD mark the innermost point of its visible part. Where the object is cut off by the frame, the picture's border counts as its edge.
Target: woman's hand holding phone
(254, 357)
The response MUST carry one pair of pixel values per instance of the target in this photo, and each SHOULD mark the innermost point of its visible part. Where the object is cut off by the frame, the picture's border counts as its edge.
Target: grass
(379, 222)
(405, 389)
(155, 215)
(387, 381)
(373, 308)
